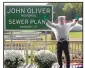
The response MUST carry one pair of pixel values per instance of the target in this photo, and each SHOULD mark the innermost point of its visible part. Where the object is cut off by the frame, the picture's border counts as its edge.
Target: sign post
(11, 41)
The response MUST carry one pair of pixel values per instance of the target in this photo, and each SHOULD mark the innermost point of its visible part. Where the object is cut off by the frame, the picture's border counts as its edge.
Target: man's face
(62, 21)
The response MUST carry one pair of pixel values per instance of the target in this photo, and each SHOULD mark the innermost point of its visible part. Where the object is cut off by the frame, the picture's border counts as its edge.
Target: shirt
(60, 31)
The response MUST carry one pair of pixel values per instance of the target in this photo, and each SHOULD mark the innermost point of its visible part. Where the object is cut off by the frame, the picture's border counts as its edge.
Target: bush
(45, 59)
(13, 60)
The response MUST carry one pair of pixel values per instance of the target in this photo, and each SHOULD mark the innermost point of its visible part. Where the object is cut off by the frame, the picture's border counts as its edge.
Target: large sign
(27, 17)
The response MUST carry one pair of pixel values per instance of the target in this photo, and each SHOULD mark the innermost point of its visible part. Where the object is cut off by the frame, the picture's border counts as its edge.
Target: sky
(25, 3)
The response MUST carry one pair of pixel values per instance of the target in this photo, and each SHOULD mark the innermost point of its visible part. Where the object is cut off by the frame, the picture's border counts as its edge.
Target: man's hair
(61, 17)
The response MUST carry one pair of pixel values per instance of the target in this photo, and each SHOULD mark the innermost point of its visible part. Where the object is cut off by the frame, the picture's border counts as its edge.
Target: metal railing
(28, 48)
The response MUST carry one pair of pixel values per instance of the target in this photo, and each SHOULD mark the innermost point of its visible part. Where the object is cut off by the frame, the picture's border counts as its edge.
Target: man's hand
(75, 21)
(45, 18)
(77, 18)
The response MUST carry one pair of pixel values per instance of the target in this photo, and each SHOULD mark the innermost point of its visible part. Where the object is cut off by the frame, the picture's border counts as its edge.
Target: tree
(68, 9)
(57, 9)
(73, 9)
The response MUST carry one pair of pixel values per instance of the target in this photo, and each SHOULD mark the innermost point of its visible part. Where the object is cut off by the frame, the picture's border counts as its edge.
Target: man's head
(61, 20)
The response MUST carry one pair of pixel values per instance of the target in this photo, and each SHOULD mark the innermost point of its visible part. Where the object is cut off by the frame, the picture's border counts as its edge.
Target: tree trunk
(52, 36)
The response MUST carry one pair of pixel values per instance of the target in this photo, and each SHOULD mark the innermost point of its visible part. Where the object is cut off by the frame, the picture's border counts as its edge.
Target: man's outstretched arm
(73, 23)
(51, 25)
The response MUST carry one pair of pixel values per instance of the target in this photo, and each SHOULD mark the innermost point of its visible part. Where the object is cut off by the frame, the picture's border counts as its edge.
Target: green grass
(75, 34)
(71, 35)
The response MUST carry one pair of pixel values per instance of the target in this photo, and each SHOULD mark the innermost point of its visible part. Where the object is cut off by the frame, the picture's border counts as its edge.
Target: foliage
(45, 59)
(13, 60)
(70, 10)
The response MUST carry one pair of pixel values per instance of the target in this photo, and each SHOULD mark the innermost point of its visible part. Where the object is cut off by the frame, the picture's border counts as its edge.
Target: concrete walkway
(73, 65)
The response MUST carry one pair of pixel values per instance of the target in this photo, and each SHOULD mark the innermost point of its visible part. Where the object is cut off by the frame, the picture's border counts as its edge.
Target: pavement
(72, 65)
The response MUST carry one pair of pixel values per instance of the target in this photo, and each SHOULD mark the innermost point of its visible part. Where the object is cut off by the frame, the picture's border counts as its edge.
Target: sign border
(24, 29)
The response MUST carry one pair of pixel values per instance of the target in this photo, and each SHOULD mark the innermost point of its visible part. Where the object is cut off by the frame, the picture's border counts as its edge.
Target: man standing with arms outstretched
(61, 32)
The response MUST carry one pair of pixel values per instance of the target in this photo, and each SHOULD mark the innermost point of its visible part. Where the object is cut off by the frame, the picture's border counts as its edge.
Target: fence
(27, 49)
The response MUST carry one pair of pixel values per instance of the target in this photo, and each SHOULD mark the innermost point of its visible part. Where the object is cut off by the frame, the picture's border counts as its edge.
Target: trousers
(63, 46)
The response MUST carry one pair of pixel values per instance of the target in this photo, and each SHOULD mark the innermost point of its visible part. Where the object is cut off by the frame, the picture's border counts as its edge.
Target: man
(61, 31)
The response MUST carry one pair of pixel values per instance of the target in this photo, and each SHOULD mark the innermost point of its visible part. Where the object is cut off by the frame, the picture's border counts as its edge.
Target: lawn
(71, 35)
(75, 34)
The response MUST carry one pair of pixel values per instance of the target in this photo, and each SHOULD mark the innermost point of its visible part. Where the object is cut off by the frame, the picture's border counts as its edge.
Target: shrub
(13, 60)
(45, 59)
